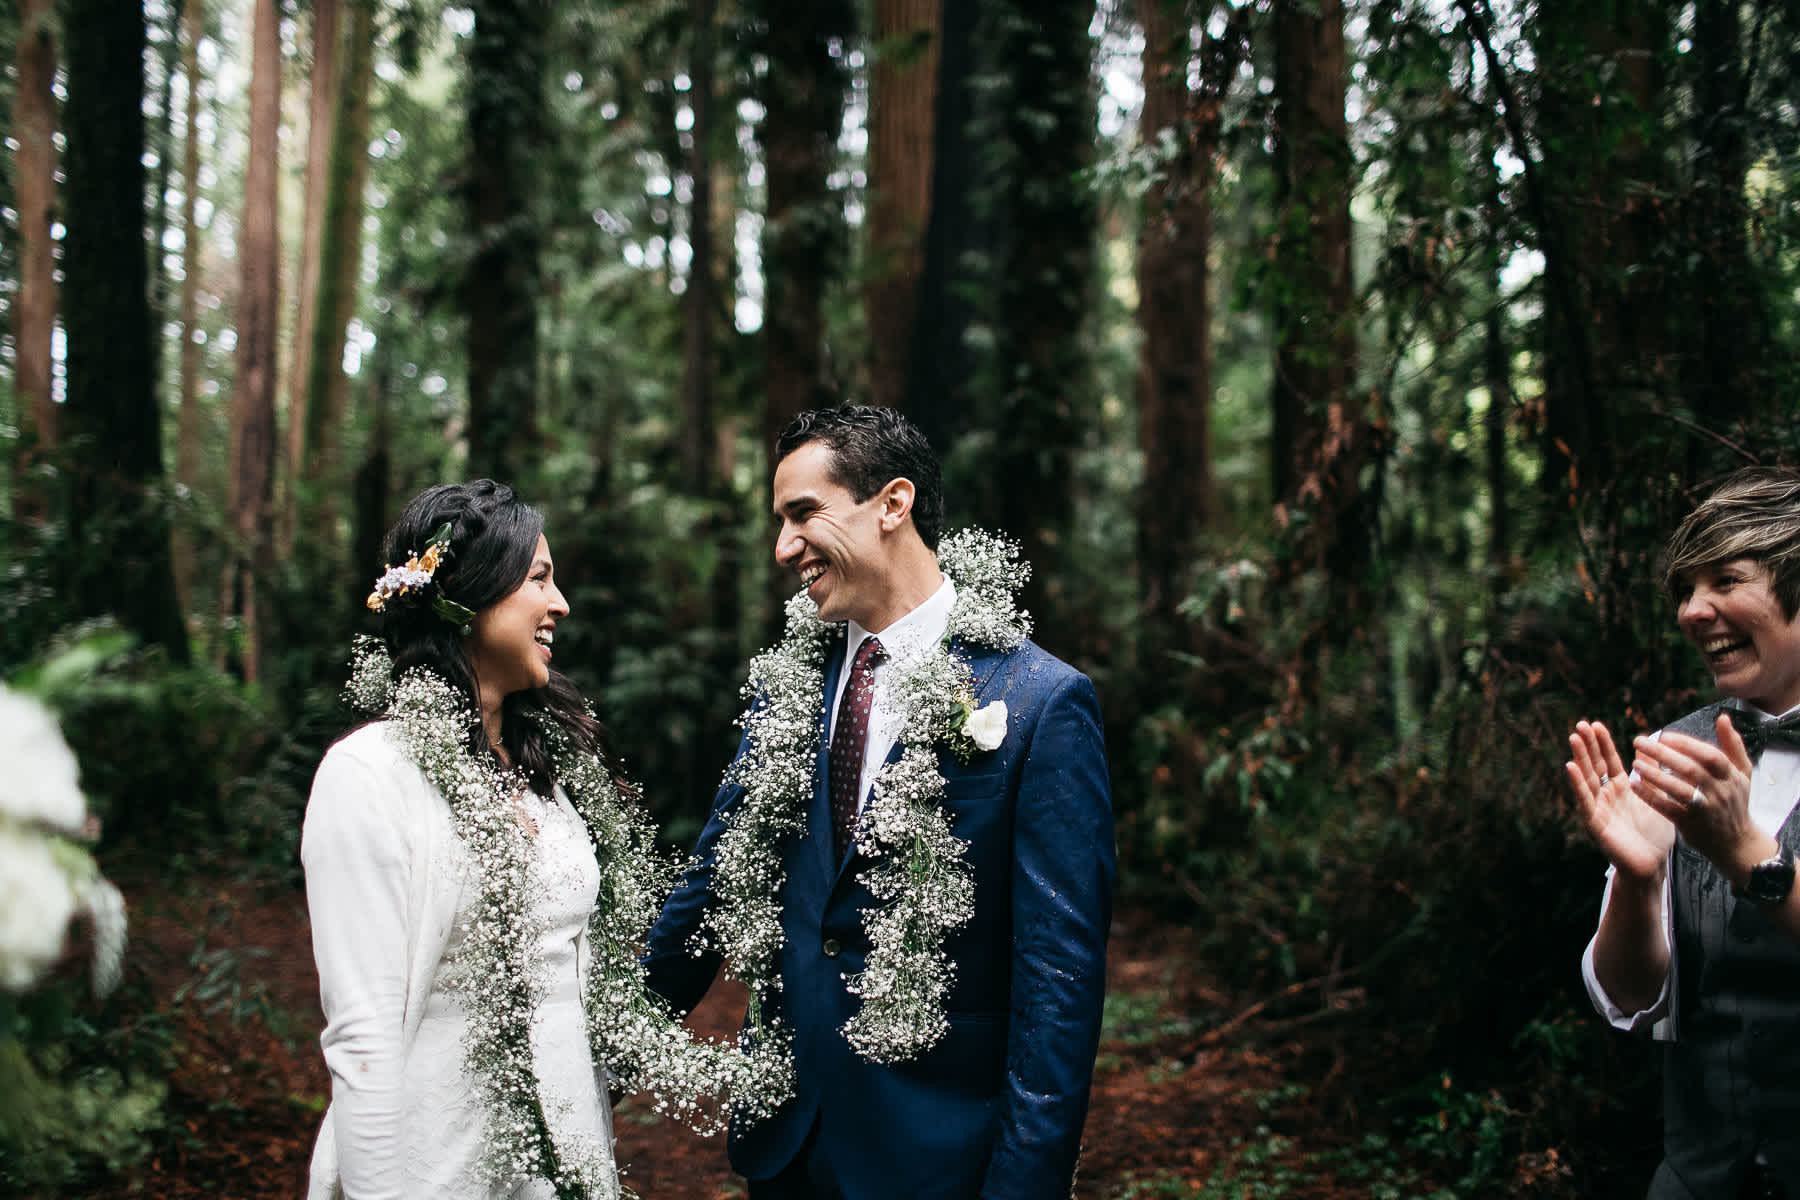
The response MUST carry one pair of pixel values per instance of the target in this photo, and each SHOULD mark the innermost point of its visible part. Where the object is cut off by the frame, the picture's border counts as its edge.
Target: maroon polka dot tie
(850, 741)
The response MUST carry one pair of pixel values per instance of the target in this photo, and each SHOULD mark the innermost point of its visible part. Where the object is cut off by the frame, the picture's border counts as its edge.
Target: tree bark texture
(320, 108)
(1174, 385)
(163, 147)
(940, 387)
(1035, 122)
(1725, 368)
(803, 237)
(34, 182)
(902, 116)
(698, 438)
(1604, 349)
(118, 529)
(187, 428)
(340, 261)
(253, 436)
(506, 114)
(1321, 440)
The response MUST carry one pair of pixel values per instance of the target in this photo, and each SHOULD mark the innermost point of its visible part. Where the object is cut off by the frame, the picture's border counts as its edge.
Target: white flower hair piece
(412, 579)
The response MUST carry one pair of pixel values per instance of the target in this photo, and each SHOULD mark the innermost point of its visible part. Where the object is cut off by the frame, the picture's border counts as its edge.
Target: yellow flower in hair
(428, 561)
(375, 602)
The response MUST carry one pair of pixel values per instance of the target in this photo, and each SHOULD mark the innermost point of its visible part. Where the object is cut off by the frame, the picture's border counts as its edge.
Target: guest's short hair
(870, 448)
(1754, 514)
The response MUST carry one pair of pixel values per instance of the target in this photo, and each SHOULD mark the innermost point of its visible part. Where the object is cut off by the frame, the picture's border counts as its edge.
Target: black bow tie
(1759, 734)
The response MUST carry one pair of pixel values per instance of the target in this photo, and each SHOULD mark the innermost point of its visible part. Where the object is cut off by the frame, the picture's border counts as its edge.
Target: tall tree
(941, 368)
(902, 115)
(187, 429)
(506, 115)
(34, 179)
(1036, 121)
(118, 528)
(698, 436)
(325, 401)
(1725, 370)
(803, 228)
(162, 150)
(1181, 126)
(327, 42)
(253, 435)
(1319, 436)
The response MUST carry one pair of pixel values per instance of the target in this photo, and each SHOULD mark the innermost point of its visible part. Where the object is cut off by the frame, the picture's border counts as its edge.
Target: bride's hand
(1635, 838)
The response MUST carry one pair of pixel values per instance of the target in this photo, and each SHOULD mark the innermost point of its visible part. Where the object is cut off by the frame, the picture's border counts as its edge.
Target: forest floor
(1197, 1093)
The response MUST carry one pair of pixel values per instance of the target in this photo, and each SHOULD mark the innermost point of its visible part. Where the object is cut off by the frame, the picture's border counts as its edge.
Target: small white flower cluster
(46, 878)
(630, 1030)
(398, 581)
(923, 888)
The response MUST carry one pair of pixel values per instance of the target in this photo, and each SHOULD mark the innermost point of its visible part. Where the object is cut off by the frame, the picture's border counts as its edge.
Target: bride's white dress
(386, 889)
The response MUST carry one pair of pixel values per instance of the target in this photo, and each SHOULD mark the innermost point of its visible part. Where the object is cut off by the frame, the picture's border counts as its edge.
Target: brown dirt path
(233, 967)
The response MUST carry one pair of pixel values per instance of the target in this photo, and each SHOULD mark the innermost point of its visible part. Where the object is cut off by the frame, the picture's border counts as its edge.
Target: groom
(994, 1109)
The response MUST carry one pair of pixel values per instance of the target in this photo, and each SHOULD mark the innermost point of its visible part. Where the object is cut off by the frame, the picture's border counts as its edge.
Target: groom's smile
(830, 540)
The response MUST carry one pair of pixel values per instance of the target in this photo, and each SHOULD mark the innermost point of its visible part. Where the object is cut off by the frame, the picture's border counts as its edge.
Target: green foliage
(76, 1103)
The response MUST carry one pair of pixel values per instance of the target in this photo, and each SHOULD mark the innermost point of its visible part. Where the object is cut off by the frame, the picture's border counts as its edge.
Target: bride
(452, 880)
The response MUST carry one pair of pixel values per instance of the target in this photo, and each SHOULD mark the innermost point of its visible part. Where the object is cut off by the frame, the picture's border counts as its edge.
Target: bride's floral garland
(630, 1030)
(923, 887)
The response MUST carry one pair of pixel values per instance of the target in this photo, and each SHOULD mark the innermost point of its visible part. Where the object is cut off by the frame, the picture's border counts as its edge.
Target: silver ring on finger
(1699, 799)
(1604, 780)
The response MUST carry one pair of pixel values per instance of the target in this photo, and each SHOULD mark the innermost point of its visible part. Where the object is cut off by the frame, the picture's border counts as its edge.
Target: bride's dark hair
(493, 538)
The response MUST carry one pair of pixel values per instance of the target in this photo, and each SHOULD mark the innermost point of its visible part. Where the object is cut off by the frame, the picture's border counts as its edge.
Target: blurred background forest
(1340, 366)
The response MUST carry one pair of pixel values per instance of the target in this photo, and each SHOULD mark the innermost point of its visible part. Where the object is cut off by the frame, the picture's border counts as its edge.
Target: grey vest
(1731, 1078)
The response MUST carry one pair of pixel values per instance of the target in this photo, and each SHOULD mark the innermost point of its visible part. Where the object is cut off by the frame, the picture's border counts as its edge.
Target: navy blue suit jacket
(995, 1109)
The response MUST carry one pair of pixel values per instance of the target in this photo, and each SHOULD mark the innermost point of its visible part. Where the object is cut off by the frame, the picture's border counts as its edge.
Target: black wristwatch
(1770, 881)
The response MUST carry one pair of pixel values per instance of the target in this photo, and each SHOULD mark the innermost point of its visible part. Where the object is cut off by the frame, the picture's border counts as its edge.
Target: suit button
(831, 948)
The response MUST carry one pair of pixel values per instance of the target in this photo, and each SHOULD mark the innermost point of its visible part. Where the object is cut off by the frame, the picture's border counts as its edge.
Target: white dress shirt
(904, 640)
(1774, 787)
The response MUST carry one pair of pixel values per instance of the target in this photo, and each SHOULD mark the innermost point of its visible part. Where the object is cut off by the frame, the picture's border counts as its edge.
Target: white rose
(40, 784)
(986, 726)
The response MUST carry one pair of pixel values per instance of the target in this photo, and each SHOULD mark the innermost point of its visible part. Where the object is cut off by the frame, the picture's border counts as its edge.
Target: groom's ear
(896, 503)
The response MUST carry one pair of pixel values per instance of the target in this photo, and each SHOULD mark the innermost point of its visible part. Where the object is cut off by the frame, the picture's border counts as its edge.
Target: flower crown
(410, 581)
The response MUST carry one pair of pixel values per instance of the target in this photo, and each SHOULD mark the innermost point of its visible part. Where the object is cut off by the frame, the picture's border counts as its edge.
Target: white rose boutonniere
(986, 726)
(978, 729)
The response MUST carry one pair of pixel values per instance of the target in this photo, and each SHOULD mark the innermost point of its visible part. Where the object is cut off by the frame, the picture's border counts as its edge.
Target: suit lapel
(983, 664)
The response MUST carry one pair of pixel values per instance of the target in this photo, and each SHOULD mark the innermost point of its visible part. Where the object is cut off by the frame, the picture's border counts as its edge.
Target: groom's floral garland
(630, 1030)
(922, 886)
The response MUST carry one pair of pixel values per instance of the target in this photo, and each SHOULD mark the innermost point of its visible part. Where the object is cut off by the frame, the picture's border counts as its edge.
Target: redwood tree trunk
(500, 292)
(1036, 135)
(34, 178)
(697, 432)
(902, 117)
(1320, 442)
(803, 231)
(320, 108)
(253, 402)
(118, 529)
(187, 434)
(340, 260)
(1174, 386)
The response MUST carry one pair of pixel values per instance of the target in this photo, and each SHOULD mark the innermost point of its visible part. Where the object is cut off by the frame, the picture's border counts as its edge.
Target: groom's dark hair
(871, 447)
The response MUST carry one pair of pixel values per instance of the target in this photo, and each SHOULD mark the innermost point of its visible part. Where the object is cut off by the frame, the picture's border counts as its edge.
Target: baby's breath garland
(923, 887)
(630, 1029)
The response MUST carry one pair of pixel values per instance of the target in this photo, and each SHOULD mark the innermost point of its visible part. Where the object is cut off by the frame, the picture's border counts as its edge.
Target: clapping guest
(1699, 935)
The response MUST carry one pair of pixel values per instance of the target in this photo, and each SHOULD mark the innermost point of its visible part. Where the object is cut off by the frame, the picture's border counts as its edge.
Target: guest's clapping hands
(1635, 836)
(1704, 792)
